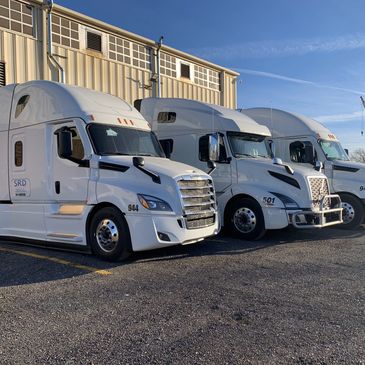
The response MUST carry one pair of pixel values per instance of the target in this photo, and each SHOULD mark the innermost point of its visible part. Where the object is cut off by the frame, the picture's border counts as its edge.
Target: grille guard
(321, 214)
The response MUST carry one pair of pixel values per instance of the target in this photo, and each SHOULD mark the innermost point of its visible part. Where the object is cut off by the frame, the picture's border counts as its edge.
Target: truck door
(25, 216)
(222, 175)
(69, 178)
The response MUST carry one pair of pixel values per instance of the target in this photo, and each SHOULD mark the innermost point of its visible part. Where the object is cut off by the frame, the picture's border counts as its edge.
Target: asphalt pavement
(295, 297)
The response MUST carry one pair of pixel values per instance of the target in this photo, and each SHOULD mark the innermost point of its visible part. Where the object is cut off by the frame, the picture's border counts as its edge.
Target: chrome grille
(198, 201)
(319, 189)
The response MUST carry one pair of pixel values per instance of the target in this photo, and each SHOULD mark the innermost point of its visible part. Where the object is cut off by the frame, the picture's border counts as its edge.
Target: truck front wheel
(245, 219)
(109, 235)
(353, 211)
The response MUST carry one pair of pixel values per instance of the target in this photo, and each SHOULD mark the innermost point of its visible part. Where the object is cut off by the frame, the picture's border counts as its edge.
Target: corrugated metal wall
(23, 57)
(101, 74)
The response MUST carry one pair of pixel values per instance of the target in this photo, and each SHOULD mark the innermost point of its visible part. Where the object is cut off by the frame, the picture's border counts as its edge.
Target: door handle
(57, 186)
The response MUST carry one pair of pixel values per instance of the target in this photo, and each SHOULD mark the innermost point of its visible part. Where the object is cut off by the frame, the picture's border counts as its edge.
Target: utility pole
(362, 123)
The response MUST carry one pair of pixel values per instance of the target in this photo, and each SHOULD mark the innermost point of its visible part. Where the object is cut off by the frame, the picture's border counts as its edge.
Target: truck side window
(78, 152)
(18, 153)
(166, 117)
(23, 101)
(77, 147)
(298, 151)
(204, 149)
(167, 146)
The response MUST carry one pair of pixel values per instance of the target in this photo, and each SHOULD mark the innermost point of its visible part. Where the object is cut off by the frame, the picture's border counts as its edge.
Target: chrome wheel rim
(244, 219)
(348, 213)
(107, 235)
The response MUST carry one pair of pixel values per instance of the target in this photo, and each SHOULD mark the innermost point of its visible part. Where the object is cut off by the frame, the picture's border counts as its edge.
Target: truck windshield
(248, 145)
(115, 140)
(333, 150)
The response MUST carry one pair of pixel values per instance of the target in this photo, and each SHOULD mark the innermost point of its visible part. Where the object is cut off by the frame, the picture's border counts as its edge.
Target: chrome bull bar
(299, 219)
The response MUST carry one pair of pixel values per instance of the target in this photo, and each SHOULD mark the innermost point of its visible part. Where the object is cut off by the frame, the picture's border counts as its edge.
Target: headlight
(152, 203)
(288, 202)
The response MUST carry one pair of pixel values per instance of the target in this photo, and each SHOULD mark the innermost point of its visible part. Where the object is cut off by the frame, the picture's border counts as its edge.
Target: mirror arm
(212, 166)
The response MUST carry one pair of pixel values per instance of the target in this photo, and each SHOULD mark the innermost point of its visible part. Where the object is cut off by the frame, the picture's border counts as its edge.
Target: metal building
(41, 41)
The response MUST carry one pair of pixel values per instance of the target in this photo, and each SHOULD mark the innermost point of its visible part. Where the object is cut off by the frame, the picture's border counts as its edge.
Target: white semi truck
(302, 140)
(254, 192)
(81, 169)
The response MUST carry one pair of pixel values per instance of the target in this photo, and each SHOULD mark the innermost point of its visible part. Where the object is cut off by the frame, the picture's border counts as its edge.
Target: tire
(244, 219)
(109, 236)
(353, 211)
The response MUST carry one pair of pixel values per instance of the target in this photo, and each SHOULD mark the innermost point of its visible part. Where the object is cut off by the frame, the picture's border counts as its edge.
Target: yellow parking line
(58, 261)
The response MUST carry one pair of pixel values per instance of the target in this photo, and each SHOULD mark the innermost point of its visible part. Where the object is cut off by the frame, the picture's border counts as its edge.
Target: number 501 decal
(268, 200)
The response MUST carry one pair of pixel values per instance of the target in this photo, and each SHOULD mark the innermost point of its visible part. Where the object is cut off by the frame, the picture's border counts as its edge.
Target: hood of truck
(270, 177)
(158, 165)
(348, 176)
(125, 180)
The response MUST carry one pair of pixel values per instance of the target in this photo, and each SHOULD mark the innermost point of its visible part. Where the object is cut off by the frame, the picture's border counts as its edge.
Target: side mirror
(277, 161)
(347, 151)
(319, 165)
(272, 148)
(64, 140)
(138, 161)
(212, 166)
(309, 153)
(214, 147)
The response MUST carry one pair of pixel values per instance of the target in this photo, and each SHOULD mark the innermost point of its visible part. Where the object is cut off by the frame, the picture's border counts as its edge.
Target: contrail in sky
(296, 80)
(283, 48)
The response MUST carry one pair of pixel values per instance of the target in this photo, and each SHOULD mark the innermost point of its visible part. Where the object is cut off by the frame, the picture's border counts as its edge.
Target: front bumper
(321, 218)
(149, 232)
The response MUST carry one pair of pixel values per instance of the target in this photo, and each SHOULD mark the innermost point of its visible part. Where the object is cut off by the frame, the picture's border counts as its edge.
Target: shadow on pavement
(22, 264)
(223, 244)
(17, 269)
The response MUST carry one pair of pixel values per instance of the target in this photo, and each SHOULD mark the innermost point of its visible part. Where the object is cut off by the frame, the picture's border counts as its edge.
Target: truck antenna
(362, 119)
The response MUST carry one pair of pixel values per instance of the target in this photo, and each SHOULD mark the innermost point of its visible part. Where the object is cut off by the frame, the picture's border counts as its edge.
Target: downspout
(51, 57)
(159, 45)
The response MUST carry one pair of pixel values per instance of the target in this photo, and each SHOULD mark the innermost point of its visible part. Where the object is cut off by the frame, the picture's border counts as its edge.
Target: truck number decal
(362, 188)
(268, 200)
(133, 207)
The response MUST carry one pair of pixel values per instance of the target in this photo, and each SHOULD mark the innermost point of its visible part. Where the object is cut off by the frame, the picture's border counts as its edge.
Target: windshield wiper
(145, 154)
(114, 154)
(243, 155)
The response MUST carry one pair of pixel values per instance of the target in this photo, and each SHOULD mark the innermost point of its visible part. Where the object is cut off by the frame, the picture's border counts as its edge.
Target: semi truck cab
(254, 192)
(81, 169)
(301, 140)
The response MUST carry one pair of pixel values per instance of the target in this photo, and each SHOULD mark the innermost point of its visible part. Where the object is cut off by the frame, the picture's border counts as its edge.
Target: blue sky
(305, 56)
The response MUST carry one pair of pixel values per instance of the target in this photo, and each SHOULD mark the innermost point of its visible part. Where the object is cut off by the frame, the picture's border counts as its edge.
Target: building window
(2, 74)
(141, 56)
(206, 77)
(119, 49)
(65, 32)
(18, 153)
(167, 65)
(213, 79)
(185, 70)
(16, 16)
(201, 76)
(93, 41)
